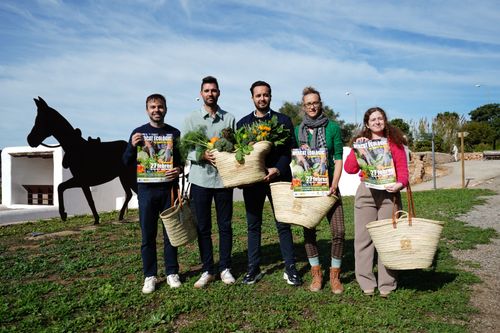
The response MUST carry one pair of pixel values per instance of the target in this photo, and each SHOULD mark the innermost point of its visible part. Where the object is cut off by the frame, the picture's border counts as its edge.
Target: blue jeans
(201, 202)
(255, 196)
(154, 199)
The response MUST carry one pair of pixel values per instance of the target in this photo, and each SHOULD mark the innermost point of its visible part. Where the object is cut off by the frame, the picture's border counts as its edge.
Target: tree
(446, 126)
(490, 114)
(347, 132)
(294, 111)
(423, 137)
(422, 134)
(404, 127)
(480, 137)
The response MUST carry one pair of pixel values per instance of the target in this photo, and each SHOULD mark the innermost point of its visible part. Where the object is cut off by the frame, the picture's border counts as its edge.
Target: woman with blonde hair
(317, 131)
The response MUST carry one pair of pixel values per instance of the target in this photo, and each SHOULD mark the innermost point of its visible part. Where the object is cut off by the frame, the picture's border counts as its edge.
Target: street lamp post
(348, 93)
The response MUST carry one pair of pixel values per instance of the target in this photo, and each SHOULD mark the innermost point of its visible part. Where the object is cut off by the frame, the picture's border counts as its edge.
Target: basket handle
(173, 198)
(411, 203)
(185, 191)
(402, 214)
(410, 214)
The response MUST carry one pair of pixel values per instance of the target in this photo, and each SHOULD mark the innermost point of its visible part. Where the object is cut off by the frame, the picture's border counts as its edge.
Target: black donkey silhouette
(91, 161)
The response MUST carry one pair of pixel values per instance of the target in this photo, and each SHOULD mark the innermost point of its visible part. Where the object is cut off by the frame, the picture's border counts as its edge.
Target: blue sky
(96, 61)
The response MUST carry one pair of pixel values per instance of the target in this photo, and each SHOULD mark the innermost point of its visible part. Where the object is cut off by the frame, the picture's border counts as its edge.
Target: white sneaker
(204, 280)
(149, 285)
(173, 280)
(227, 277)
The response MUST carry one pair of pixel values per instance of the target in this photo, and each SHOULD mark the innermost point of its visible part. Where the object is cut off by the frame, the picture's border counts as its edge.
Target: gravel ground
(485, 295)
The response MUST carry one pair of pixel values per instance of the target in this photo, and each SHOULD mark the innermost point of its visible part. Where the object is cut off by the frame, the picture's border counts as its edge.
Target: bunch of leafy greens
(226, 141)
(198, 141)
(267, 130)
(239, 142)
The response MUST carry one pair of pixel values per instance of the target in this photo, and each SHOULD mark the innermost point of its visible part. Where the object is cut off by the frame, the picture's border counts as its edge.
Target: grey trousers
(371, 205)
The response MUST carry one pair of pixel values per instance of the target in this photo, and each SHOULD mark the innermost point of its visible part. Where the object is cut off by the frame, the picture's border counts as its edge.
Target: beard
(210, 102)
(261, 108)
(157, 118)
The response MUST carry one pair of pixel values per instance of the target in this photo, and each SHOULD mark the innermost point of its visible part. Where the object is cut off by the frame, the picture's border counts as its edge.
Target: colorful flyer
(375, 161)
(154, 158)
(310, 172)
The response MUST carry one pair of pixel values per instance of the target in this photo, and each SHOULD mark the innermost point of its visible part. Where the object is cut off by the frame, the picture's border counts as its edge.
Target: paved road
(476, 173)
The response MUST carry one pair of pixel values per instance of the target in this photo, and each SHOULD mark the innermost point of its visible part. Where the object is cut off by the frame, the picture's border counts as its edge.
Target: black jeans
(201, 202)
(154, 199)
(255, 196)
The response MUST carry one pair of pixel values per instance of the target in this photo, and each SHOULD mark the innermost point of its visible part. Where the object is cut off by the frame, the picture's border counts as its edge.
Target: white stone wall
(39, 171)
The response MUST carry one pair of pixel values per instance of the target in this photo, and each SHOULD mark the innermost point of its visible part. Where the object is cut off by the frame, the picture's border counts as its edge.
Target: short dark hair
(156, 96)
(260, 83)
(209, 79)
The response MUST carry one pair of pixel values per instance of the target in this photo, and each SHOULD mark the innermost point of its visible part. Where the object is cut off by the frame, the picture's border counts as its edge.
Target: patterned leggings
(336, 219)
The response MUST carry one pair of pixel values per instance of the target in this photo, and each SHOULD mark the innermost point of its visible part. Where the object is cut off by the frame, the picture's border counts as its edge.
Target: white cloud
(98, 72)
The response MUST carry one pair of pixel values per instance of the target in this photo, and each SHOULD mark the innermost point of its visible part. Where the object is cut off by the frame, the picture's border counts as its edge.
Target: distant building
(31, 177)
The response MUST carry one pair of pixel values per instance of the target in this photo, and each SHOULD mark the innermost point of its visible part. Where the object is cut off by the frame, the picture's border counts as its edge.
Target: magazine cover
(376, 164)
(154, 158)
(310, 172)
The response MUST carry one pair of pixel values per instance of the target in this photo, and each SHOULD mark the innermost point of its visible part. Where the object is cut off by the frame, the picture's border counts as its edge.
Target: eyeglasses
(316, 104)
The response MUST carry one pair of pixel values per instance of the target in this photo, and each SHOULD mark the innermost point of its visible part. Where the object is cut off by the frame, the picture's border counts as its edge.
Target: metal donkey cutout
(80, 156)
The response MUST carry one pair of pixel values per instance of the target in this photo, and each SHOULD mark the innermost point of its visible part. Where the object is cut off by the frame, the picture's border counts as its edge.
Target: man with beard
(278, 169)
(155, 197)
(206, 185)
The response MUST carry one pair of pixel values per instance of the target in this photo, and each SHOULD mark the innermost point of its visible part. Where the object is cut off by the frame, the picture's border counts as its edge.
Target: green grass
(91, 281)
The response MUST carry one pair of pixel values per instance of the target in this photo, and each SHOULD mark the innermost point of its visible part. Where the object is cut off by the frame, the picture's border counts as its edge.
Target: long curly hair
(392, 133)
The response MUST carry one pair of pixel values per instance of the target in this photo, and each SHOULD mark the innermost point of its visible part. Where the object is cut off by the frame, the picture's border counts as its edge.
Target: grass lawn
(89, 279)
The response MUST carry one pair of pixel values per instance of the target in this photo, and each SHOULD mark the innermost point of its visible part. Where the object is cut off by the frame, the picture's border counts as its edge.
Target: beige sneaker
(227, 277)
(173, 280)
(369, 292)
(204, 280)
(149, 285)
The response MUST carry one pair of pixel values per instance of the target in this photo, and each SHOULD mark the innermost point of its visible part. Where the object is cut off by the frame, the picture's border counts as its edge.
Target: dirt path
(485, 295)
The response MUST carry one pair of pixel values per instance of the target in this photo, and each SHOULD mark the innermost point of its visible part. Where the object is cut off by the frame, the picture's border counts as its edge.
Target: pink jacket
(398, 156)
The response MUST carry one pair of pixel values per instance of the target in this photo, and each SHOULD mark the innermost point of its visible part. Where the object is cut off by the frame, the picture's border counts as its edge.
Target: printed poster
(154, 158)
(375, 161)
(310, 172)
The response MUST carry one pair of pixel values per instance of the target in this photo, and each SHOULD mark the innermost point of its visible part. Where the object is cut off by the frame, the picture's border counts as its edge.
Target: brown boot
(317, 277)
(335, 283)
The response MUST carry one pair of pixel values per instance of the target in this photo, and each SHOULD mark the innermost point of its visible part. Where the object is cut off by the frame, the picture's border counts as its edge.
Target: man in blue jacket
(278, 169)
(154, 196)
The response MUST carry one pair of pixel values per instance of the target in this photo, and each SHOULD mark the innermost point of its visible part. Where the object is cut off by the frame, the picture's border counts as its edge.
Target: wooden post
(462, 135)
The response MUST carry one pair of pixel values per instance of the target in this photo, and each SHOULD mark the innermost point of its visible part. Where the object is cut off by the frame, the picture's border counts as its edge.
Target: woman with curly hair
(372, 204)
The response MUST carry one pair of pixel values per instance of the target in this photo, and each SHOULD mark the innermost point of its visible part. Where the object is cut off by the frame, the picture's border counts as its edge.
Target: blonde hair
(310, 90)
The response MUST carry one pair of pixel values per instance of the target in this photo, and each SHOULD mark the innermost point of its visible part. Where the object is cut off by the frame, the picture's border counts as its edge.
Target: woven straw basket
(253, 170)
(179, 223)
(406, 242)
(306, 212)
